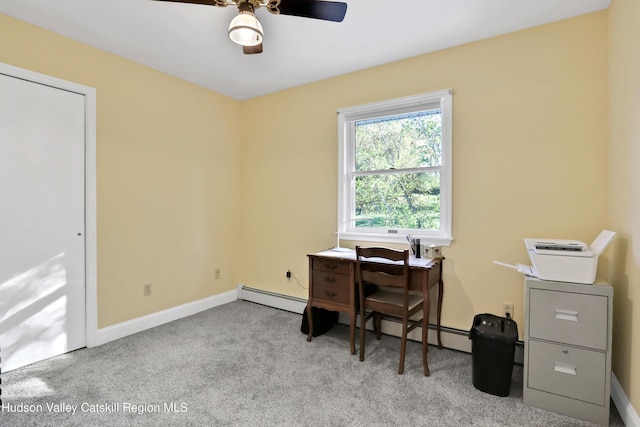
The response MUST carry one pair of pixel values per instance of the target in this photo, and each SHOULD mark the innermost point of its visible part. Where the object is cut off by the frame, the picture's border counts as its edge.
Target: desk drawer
(434, 274)
(567, 317)
(567, 371)
(330, 265)
(331, 287)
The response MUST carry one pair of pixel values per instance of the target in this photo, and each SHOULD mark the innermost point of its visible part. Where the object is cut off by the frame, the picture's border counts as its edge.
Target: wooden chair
(391, 299)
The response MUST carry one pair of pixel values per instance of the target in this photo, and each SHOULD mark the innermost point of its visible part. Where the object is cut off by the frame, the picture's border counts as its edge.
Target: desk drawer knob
(330, 294)
(329, 279)
(331, 266)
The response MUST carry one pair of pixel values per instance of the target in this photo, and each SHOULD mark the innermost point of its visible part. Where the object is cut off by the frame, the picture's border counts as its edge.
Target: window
(395, 170)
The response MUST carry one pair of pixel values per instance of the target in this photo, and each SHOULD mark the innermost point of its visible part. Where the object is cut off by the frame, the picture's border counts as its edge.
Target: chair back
(395, 274)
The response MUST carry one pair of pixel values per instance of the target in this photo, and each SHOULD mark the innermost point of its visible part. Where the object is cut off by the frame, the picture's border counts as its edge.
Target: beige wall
(168, 170)
(529, 144)
(624, 190)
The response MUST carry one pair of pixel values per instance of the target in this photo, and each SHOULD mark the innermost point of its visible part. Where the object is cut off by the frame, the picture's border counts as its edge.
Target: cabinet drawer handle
(329, 279)
(331, 266)
(330, 294)
(566, 315)
(564, 368)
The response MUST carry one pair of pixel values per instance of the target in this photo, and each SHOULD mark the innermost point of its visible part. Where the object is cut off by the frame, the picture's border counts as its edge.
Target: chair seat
(394, 298)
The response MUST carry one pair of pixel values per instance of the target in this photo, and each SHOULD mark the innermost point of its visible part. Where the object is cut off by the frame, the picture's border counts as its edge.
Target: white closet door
(42, 211)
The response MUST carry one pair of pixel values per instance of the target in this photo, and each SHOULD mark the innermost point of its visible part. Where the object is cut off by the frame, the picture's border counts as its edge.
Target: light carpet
(243, 364)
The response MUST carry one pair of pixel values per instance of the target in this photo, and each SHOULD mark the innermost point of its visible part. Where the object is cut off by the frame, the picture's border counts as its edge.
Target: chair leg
(363, 328)
(377, 319)
(403, 346)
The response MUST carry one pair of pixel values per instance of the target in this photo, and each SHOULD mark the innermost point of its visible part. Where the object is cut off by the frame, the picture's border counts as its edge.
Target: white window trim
(346, 116)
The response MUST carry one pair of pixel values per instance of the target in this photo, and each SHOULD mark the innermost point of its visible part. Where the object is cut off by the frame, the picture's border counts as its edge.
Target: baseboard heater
(272, 299)
(456, 339)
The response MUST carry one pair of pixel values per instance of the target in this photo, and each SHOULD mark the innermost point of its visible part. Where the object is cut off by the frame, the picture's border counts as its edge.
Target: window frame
(346, 164)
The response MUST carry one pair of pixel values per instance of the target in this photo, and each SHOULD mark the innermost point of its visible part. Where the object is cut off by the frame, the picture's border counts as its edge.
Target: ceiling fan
(245, 29)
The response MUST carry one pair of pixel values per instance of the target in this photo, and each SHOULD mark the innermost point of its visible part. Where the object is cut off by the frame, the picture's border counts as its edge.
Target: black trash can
(493, 347)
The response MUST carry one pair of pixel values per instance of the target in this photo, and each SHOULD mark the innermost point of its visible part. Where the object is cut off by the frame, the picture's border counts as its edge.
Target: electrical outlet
(146, 289)
(507, 309)
(288, 274)
(217, 273)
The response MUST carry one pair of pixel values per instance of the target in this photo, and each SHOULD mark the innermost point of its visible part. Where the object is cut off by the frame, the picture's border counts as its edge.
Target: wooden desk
(332, 286)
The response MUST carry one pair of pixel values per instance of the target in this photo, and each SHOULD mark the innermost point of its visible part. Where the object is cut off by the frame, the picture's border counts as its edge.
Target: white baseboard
(121, 330)
(623, 405)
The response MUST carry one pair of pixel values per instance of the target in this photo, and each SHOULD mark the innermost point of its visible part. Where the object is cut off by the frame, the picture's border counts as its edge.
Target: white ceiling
(190, 41)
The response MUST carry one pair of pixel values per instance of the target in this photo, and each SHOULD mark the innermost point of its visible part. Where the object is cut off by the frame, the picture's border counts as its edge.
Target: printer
(564, 260)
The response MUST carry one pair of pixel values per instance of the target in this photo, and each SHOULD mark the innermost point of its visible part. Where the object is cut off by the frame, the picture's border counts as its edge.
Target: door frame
(90, 252)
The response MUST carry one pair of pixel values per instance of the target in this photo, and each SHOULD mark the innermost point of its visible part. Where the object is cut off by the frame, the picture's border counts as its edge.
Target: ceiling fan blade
(221, 3)
(250, 50)
(317, 9)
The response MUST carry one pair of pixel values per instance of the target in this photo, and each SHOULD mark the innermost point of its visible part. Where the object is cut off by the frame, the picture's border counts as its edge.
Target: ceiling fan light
(245, 30)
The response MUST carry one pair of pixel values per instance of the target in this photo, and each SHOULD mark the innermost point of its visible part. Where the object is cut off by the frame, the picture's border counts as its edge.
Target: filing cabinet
(567, 360)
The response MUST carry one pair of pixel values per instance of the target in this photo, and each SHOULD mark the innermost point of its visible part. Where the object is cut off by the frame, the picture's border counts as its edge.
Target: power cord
(290, 275)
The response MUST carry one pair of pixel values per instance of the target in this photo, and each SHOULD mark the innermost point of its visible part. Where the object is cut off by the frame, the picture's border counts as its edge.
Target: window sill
(395, 238)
